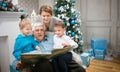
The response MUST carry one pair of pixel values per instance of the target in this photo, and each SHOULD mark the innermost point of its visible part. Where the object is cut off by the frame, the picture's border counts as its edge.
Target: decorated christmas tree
(64, 9)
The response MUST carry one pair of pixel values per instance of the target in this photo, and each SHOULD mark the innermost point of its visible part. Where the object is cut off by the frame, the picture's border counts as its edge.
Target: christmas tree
(64, 9)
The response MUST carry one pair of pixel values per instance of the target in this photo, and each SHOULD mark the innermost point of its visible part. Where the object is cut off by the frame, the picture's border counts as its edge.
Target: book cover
(34, 56)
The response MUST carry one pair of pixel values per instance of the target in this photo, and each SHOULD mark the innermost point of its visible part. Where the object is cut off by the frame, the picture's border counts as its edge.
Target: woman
(49, 21)
(46, 13)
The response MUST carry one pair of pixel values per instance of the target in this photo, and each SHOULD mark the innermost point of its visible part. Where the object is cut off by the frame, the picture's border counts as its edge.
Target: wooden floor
(104, 66)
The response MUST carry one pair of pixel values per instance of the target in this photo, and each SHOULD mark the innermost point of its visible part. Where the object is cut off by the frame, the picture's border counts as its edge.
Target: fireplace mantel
(9, 16)
(7, 19)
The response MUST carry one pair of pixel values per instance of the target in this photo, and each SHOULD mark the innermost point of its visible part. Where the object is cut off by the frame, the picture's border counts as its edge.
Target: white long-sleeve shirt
(58, 41)
(66, 39)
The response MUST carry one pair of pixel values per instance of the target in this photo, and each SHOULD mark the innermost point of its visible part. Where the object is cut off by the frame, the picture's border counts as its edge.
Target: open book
(34, 56)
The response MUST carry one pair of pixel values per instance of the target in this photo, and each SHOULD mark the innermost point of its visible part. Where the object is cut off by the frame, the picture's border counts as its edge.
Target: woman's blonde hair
(46, 8)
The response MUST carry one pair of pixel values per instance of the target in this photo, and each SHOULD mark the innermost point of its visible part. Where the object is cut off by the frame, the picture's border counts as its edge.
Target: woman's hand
(20, 65)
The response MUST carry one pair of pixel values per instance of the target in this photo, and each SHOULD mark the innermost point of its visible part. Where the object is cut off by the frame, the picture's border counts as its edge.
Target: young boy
(25, 41)
(61, 40)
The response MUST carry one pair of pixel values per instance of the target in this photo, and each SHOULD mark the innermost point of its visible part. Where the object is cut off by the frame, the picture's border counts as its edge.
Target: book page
(37, 52)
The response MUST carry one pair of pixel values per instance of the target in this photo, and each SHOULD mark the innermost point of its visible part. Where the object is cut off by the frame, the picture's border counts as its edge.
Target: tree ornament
(7, 5)
(72, 10)
(55, 3)
(76, 24)
(69, 31)
(73, 33)
(68, 24)
(68, 0)
(73, 27)
(72, 22)
(4, 4)
(76, 36)
(67, 18)
(79, 32)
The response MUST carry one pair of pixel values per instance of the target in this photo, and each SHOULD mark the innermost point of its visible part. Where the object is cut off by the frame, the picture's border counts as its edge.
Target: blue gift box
(100, 57)
(99, 51)
(98, 43)
(91, 52)
(85, 59)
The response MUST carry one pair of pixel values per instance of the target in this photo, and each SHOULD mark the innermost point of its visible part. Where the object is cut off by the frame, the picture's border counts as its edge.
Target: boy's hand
(65, 44)
(20, 65)
(38, 48)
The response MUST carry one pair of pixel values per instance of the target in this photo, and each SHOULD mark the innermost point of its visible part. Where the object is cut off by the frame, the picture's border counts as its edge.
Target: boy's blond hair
(24, 22)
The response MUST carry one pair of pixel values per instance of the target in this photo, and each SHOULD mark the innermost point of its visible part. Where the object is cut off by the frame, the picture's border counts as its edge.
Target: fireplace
(8, 31)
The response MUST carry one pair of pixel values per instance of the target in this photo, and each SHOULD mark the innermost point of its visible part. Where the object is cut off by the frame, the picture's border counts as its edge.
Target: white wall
(100, 19)
(49, 2)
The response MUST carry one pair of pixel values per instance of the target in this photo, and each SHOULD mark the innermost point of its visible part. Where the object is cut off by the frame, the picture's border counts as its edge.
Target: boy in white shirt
(61, 40)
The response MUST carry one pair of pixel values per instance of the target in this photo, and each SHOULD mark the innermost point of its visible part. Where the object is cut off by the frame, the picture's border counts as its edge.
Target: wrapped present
(99, 51)
(100, 57)
(91, 52)
(35, 56)
(98, 43)
(85, 59)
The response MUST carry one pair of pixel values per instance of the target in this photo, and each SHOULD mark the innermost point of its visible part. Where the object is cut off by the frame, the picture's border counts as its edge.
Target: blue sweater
(23, 44)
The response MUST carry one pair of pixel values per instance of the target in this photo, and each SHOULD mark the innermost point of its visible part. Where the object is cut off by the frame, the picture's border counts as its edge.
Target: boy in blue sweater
(25, 41)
